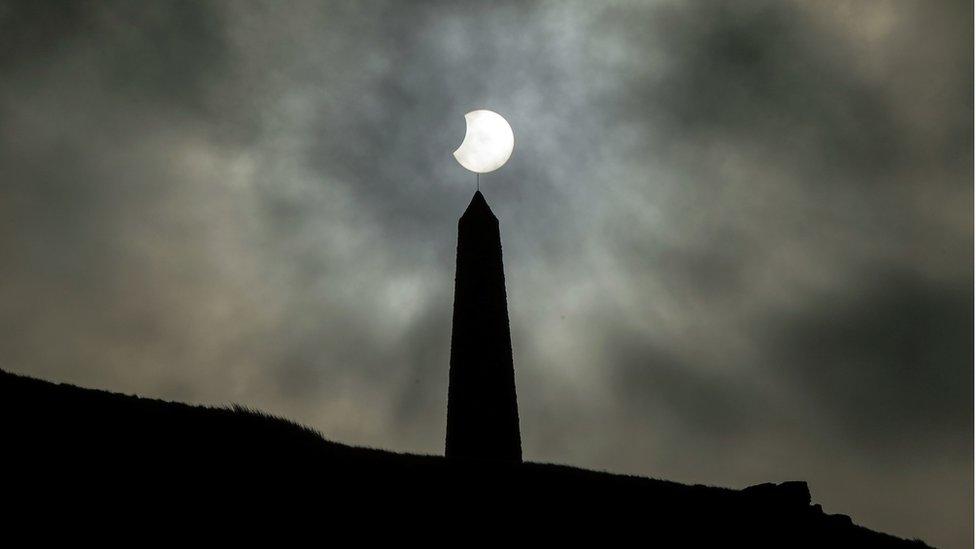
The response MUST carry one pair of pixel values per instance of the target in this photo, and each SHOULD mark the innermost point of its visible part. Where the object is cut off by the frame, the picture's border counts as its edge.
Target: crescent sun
(488, 142)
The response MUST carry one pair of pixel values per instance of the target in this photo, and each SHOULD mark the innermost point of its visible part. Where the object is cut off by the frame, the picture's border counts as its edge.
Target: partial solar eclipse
(488, 142)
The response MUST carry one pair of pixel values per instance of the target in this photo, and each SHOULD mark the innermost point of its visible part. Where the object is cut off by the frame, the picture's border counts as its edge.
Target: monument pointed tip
(478, 206)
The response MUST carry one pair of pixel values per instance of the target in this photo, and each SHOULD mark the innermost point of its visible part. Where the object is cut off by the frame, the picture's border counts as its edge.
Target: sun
(488, 142)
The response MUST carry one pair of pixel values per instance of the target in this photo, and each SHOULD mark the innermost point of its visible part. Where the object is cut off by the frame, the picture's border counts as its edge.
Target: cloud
(738, 235)
(885, 360)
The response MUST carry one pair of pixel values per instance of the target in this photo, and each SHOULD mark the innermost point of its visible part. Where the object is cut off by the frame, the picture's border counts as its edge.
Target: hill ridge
(67, 436)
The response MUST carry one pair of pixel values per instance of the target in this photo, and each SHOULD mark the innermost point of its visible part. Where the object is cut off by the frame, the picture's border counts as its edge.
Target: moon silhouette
(488, 142)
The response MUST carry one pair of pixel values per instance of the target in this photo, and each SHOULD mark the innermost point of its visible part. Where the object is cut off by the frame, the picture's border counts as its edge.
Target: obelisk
(482, 411)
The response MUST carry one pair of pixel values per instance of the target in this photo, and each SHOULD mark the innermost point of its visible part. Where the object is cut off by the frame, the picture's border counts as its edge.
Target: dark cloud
(738, 235)
(890, 360)
(651, 382)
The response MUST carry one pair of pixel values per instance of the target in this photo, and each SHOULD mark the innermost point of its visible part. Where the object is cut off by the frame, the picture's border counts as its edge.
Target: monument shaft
(482, 411)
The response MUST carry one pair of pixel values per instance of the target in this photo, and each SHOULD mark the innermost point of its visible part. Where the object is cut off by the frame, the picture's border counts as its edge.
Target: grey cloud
(890, 359)
(738, 235)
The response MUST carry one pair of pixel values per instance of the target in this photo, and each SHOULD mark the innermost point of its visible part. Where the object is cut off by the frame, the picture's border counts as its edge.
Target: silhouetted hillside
(115, 455)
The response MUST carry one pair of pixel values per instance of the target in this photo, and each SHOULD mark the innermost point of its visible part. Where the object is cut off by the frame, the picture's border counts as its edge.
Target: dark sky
(738, 235)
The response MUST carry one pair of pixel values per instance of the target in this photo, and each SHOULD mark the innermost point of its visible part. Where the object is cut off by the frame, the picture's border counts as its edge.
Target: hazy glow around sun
(488, 142)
